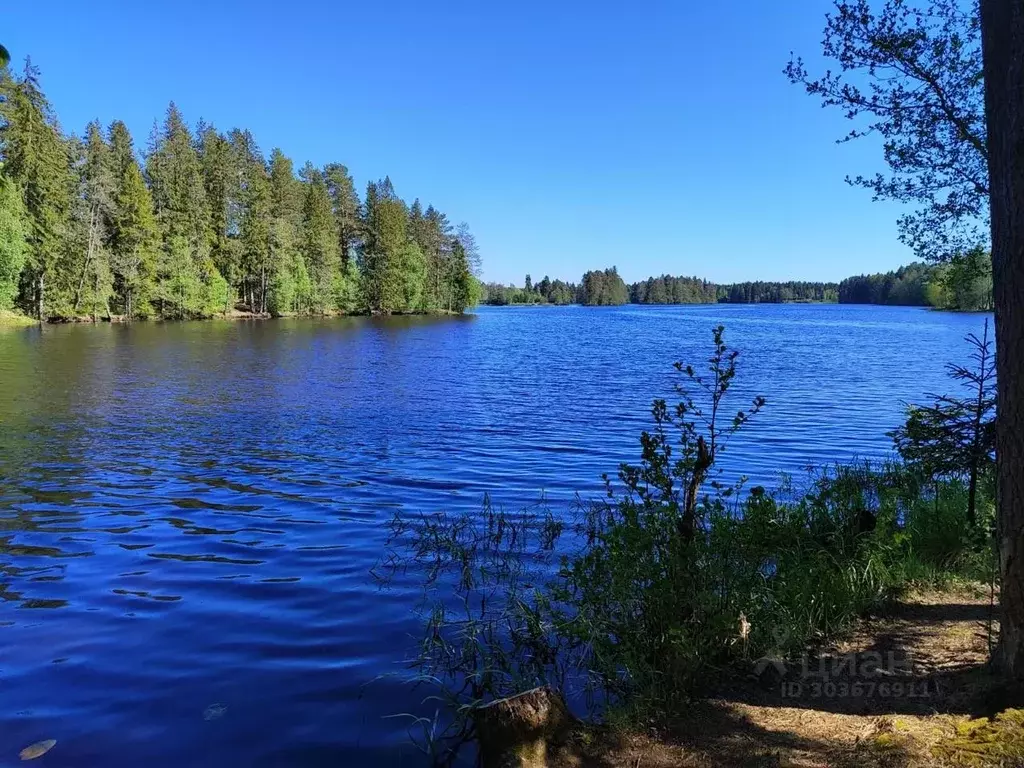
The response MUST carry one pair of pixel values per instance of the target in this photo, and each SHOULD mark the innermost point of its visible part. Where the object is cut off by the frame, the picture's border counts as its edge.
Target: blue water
(188, 512)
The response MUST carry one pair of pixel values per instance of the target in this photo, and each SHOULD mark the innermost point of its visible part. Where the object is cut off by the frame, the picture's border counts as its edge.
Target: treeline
(204, 224)
(607, 288)
(546, 291)
(965, 283)
(778, 293)
(906, 286)
(596, 288)
(673, 290)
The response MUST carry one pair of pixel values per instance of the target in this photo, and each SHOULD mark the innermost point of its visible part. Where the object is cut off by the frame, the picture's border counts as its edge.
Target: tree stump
(514, 732)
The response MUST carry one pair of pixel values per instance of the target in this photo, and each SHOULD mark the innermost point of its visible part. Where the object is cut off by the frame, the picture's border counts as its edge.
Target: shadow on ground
(881, 699)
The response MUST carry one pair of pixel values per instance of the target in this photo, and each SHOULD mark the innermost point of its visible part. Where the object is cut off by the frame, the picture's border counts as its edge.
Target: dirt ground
(910, 688)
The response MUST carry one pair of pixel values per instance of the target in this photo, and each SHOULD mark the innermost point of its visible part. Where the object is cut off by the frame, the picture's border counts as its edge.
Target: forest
(963, 283)
(202, 223)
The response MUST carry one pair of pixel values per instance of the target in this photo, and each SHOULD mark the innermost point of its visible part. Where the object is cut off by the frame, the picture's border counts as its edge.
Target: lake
(189, 511)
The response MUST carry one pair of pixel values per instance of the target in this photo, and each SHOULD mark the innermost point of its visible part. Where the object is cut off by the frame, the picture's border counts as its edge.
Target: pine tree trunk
(1002, 24)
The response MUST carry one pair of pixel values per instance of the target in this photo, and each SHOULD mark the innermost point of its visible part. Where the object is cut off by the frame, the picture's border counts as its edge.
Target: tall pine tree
(320, 241)
(35, 157)
(188, 283)
(289, 283)
(12, 240)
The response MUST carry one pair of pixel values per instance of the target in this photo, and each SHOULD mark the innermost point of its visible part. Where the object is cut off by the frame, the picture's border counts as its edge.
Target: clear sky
(656, 136)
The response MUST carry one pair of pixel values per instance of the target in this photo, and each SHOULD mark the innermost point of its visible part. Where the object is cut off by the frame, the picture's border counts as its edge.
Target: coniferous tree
(253, 214)
(439, 258)
(135, 246)
(468, 242)
(122, 149)
(320, 241)
(386, 253)
(188, 283)
(134, 239)
(221, 162)
(86, 263)
(12, 240)
(346, 208)
(35, 156)
(289, 282)
(957, 435)
(465, 287)
(345, 204)
(208, 220)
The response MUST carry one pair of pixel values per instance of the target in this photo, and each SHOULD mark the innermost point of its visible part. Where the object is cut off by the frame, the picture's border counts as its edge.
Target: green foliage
(603, 289)
(345, 204)
(210, 227)
(36, 158)
(84, 272)
(907, 286)
(910, 73)
(967, 281)
(386, 252)
(321, 251)
(12, 241)
(254, 202)
(673, 290)
(465, 287)
(188, 283)
(777, 293)
(135, 244)
(290, 289)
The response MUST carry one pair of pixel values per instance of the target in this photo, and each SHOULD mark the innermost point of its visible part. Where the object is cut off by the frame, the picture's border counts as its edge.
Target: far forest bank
(964, 284)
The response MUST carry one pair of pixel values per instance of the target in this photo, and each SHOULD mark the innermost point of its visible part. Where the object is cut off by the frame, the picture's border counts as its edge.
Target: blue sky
(657, 136)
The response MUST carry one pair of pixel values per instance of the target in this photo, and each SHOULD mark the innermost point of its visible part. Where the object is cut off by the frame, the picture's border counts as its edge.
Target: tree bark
(1002, 27)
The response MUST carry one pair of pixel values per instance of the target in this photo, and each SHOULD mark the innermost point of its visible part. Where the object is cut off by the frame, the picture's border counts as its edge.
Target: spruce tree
(320, 241)
(465, 287)
(345, 203)
(35, 157)
(289, 281)
(13, 247)
(121, 152)
(254, 206)
(134, 239)
(386, 256)
(220, 163)
(86, 263)
(136, 245)
(188, 283)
